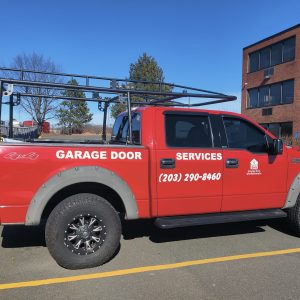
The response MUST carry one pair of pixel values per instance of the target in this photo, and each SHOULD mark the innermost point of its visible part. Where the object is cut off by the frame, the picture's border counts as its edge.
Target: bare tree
(39, 108)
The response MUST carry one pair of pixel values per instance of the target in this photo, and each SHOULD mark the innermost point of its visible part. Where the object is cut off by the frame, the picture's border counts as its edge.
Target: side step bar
(218, 218)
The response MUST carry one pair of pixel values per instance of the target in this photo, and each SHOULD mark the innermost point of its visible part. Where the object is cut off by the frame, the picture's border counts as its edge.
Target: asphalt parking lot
(232, 261)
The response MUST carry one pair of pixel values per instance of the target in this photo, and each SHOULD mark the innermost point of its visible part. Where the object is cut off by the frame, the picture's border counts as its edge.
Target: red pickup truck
(185, 167)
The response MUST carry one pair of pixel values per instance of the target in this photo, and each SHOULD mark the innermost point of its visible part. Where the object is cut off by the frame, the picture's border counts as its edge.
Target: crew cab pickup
(185, 167)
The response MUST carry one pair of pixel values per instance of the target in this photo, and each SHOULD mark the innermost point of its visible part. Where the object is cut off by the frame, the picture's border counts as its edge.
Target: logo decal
(254, 169)
(254, 164)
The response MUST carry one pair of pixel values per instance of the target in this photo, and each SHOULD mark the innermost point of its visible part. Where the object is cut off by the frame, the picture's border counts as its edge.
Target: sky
(197, 43)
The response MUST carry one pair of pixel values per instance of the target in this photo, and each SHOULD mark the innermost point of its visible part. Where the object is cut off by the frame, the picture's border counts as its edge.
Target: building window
(275, 94)
(280, 130)
(276, 57)
(270, 95)
(253, 61)
(286, 129)
(288, 50)
(288, 91)
(274, 128)
(263, 94)
(252, 98)
(272, 55)
(265, 58)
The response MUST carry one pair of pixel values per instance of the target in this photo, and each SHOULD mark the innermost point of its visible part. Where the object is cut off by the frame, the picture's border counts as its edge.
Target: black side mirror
(277, 147)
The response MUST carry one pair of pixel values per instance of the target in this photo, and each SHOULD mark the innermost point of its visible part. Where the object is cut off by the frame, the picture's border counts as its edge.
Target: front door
(189, 167)
(252, 178)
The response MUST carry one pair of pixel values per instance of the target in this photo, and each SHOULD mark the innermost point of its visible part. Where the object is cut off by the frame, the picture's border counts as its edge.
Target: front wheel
(83, 231)
(294, 217)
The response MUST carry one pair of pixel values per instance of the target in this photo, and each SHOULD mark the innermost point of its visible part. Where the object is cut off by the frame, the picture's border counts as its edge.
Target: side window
(136, 129)
(124, 132)
(120, 129)
(241, 134)
(189, 131)
(117, 129)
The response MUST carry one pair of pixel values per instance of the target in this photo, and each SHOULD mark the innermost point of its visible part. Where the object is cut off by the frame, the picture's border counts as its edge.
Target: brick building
(271, 83)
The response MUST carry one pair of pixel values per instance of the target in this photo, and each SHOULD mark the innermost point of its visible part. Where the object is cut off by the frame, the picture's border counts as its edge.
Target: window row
(270, 95)
(272, 55)
(193, 131)
(280, 130)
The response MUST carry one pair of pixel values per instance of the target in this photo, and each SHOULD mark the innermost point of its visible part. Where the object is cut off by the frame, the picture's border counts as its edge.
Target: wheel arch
(293, 193)
(90, 176)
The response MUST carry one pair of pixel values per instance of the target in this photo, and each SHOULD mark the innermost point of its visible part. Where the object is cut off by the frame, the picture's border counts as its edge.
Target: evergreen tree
(145, 68)
(73, 114)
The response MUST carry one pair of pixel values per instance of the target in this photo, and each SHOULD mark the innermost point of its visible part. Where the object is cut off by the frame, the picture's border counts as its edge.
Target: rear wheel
(83, 231)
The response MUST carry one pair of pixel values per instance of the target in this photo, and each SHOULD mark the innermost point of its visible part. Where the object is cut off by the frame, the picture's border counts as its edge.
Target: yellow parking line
(144, 269)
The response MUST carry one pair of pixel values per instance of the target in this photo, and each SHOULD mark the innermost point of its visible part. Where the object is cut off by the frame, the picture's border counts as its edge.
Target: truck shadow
(16, 236)
(137, 229)
(282, 226)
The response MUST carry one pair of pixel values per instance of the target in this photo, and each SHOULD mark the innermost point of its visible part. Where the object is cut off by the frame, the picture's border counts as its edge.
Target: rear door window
(188, 131)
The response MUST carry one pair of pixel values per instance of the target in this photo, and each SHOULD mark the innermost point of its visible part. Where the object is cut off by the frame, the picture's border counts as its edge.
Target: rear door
(252, 178)
(189, 165)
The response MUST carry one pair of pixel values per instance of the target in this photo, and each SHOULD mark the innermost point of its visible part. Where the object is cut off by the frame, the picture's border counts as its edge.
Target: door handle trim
(232, 163)
(167, 163)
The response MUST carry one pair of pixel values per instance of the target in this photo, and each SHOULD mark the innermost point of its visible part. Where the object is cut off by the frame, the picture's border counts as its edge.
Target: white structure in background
(16, 123)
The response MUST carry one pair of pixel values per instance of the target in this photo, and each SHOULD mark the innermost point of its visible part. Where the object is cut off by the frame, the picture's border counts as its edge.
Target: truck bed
(26, 167)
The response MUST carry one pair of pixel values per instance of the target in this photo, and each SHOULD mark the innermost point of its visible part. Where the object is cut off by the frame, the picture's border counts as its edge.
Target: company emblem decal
(254, 168)
(254, 164)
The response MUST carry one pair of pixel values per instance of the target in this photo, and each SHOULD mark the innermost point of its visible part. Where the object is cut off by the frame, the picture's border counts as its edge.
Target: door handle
(232, 163)
(167, 163)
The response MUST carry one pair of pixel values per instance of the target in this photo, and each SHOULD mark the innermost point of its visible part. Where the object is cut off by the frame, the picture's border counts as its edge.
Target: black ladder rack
(108, 90)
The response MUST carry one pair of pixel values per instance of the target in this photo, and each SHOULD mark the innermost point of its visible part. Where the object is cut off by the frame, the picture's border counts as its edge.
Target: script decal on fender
(21, 156)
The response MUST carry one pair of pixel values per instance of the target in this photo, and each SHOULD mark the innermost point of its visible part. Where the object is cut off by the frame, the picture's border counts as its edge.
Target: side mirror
(277, 147)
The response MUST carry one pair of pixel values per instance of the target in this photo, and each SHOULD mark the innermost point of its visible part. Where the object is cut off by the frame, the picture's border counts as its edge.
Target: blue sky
(197, 43)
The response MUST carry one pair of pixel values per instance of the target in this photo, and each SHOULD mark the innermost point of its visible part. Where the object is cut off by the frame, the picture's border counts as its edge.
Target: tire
(83, 231)
(294, 217)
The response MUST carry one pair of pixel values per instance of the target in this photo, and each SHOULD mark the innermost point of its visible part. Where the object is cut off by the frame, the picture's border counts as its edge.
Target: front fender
(293, 193)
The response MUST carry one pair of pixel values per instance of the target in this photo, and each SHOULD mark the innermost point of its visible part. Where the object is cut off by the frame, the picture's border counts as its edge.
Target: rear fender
(79, 175)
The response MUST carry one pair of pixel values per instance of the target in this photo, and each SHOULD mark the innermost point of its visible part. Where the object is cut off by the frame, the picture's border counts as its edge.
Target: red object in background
(45, 129)
(28, 123)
